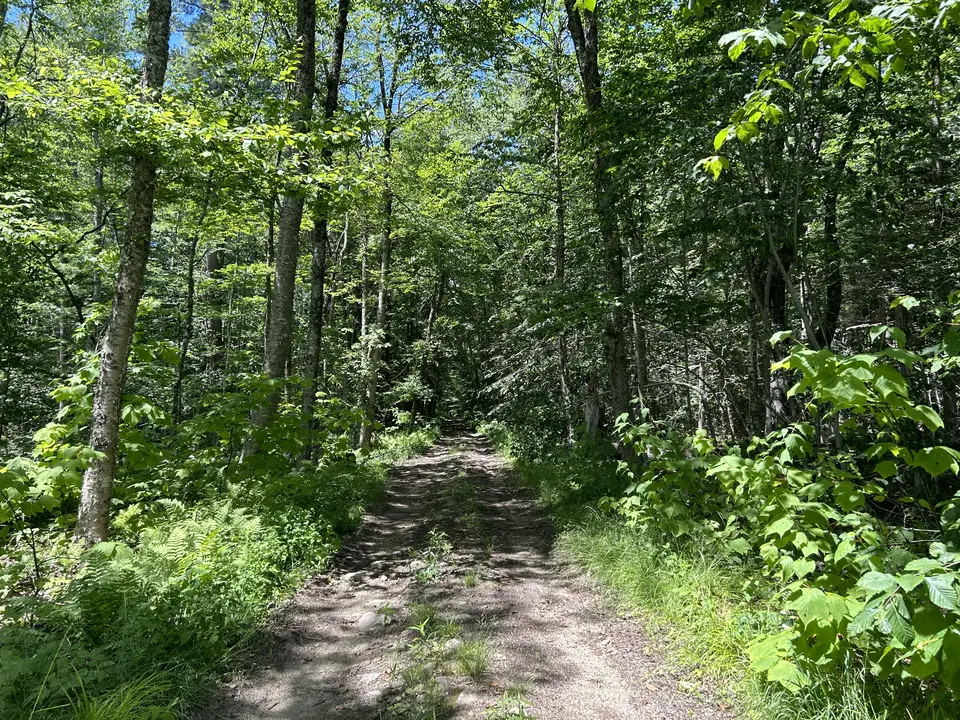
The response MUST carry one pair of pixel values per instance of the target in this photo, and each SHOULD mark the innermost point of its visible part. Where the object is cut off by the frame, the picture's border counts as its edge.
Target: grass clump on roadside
(512, 705)
(705, 609)
(473, 658)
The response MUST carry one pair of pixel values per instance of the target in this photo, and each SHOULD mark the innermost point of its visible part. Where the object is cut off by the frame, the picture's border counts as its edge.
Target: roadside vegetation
(812, 572)
(135, 627)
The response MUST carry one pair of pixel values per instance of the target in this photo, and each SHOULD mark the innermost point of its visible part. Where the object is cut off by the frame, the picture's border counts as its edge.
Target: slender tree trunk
(280, 320)
(97, 491)
(99, 217)
(634, 249)
(321, 240)
(584, 30)
(936, 122)
(560, 253)
(378, 334)
(213, 265)
(388, 90)
(4, 401)
(187, 334)
(830, 319)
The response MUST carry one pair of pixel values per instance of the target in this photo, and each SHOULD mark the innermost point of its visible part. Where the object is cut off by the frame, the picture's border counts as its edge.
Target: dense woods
(694, 266)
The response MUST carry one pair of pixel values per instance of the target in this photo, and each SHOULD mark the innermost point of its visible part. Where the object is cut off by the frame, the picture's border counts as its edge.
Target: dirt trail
(343, 649)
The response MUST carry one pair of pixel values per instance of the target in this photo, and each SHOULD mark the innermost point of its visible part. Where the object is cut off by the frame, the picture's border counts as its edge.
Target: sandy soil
(343, 649)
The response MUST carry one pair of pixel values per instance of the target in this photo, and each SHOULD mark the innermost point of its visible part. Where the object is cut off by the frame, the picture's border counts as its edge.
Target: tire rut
(457, 548)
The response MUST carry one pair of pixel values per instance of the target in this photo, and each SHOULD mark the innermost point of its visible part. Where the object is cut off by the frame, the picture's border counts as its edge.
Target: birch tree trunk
(97, 491)
(279, 337)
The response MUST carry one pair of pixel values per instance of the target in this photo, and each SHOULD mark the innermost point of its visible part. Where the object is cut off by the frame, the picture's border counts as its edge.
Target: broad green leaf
(923, 565)
(721, 137)
(788, 675)
(878, 582)
(886, 469)
(909, 582)
(863, 621)
(838, 8)
(907, 301)
(897, 615)
(857, 78)
(942, 591)
(845, 547)
(780, 526)
(811, 606)
(936, 460)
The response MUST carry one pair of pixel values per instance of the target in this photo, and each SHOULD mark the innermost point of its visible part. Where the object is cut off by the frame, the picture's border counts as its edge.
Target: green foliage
(187, 588)
(473, 658)
(864, 574)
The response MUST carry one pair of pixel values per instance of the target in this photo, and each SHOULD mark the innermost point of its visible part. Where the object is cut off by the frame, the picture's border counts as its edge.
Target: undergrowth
(703, 606)
(135, 628)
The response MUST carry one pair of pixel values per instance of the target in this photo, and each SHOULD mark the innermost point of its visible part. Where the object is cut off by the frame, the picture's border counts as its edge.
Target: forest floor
(459, 552)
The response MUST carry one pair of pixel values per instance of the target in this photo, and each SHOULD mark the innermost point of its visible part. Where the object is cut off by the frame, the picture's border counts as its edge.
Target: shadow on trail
(341, 649)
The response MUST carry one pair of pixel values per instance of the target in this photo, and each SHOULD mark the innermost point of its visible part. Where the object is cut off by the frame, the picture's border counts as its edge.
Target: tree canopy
(248, 241)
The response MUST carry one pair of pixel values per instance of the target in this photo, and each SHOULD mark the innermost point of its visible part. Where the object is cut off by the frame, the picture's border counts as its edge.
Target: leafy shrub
(867, 571)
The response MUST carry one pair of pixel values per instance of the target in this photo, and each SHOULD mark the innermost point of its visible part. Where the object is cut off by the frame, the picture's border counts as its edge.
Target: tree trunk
(830, 319)
(378, 333)
(560, 253)
(279, 337)
(186, 336)
(187, 333)
(321, 240)
(213, 264)
(584, 30)
(97, 491)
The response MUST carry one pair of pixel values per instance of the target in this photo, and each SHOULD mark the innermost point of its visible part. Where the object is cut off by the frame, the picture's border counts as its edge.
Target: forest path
(343, 649)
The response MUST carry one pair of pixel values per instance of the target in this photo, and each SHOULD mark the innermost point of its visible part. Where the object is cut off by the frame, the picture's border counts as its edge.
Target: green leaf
(838, 8)
(942, 591)
(739, 546)
(886, 469)
(803, 567)
(721, 138)
(857, 78)
(936, 460)
(923, 565)
(590, 5)
(811, 606)
(863, 621)
(788, 675)
(848, 496)
(878, 582)
(779, 337)
(907, 301)
(897, 616)
(780, 526)
(845, 547)
(909, 582)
